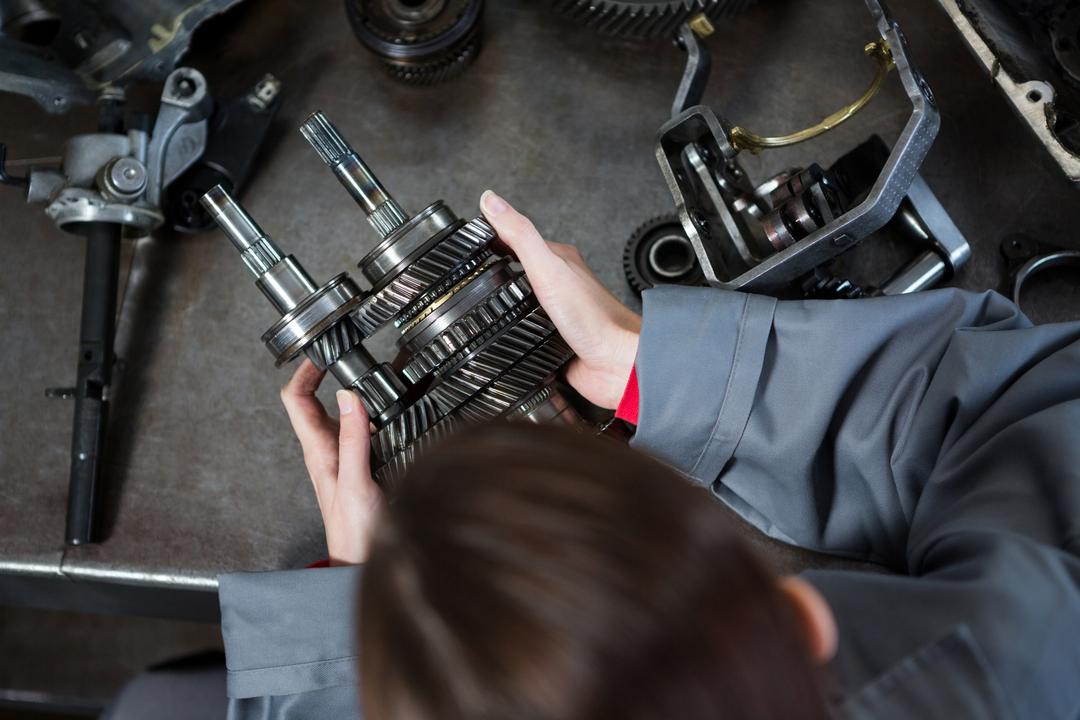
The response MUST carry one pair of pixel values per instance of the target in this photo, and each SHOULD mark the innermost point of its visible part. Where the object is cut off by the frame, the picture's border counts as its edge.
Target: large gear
(490, 314)
(645, 18)
(659, 253)
(430, 276)
(419, 42)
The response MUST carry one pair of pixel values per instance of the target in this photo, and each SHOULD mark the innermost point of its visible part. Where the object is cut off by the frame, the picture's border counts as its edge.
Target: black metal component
(1026, 258)
(660, 253)
(5, 177)
(236, 133)
(420, 42)
(87, 483)
(645, 18)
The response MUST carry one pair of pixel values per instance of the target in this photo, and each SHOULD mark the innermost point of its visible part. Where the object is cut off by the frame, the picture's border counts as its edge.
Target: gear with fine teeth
(404, 430)
(440, 267)
(494, 312)
(516, 384)
(461, 383)
(335, 342)
(390, 472)
(646, 18)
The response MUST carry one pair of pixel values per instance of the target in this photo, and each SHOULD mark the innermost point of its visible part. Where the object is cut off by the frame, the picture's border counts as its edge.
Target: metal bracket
(697, 160)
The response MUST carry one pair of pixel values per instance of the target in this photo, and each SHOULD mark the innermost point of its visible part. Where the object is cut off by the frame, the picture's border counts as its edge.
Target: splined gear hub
(475, 343)
(659, 253)
(419, 41)
(646, 18)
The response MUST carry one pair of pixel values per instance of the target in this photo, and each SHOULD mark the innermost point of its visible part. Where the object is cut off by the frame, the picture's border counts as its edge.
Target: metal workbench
(204, 473)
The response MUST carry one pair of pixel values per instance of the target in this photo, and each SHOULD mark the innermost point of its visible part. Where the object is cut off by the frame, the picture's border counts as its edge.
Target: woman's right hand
(602, 331)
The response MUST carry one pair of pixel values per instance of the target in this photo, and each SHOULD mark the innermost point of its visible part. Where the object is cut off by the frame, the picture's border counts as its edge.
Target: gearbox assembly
(475, 343)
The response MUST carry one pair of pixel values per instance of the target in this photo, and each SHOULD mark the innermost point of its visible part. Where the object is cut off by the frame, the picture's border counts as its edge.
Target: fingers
(520, 235)
(354, 448)
(313, 427)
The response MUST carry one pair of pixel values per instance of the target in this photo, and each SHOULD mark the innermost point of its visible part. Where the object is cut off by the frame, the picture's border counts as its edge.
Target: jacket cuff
(698, 365)
(289, 632)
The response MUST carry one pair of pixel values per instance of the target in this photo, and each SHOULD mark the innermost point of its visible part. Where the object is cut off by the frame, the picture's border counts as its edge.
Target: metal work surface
(205, 475)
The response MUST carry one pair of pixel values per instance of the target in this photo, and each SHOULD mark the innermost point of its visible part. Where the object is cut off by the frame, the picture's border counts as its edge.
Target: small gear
(824, 286)
(659, 253)
(419, 42)
(645, 18)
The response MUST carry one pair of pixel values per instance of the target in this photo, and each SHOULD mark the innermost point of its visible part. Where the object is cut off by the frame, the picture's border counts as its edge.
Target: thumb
(520, 235)
(354, 444)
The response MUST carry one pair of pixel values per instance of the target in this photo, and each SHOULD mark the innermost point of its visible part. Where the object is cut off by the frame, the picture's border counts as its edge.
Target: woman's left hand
(336, 454)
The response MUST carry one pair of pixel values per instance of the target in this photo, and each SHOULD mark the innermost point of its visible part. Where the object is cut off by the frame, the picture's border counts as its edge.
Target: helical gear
(440, 267)
(645, 18)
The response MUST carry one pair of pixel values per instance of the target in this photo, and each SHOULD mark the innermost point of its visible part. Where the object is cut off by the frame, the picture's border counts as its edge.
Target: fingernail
(492, 203)
(346, 402)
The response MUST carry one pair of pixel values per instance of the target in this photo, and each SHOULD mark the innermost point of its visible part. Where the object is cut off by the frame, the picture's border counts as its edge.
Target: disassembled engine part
(1026, 259)
(235, 133)
(109, 184)
(764, 239)
(659, 253)
(419, 41)
(1031, 50)
(646, 18)
(66, 52)
(475, 344)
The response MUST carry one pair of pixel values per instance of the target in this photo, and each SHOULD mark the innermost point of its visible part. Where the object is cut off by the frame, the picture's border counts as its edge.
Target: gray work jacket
(937, 434)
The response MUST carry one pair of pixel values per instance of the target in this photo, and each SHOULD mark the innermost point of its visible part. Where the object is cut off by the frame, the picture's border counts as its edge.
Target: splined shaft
(316, 321)
(384, 214)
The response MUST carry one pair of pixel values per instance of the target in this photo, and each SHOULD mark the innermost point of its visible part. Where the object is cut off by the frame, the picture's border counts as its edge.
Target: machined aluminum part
(440, 267)
(496, 357)
(288, 337)
(645, 18)
(494, 312)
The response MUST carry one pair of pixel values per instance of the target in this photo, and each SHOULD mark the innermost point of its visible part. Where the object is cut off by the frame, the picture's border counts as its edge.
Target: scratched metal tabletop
(204, 473)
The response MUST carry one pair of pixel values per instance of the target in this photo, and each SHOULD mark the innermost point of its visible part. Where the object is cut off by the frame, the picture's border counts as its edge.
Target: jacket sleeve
(290, 643)
(934, 433)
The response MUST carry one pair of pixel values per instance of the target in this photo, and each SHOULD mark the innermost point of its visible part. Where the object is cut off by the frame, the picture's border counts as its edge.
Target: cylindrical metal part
(257, 249)
(86, 484)
(384, 214)
(286, 284)
(921, 274)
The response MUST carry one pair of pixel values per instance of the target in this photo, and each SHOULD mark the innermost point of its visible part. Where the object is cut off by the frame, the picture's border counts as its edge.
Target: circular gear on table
(420, 42)
(660, 253)
(645, 18)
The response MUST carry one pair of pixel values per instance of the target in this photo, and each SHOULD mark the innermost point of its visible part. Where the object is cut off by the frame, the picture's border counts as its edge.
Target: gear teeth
(395, 467)
(404, 430)
(453, 257)
(437, 71)
(644, 19)
(516, 386)
(477, 372)
(494, 312)
(518, 383)
(335, 342)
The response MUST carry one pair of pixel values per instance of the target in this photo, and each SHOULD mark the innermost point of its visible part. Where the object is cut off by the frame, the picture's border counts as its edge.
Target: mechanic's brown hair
(531, 573)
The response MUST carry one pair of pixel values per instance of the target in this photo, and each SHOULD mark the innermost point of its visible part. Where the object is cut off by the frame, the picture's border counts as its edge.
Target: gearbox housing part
(475, 343)
(419, 42)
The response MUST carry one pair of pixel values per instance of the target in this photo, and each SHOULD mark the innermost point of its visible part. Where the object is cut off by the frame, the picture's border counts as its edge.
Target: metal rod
(86, 484)
(384, 214)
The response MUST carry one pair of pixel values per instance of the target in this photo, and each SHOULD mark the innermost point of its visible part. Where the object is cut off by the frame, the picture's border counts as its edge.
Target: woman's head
(529, 572)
